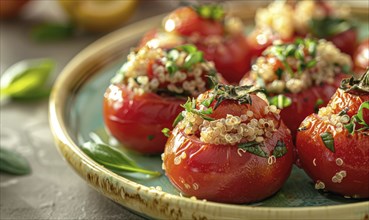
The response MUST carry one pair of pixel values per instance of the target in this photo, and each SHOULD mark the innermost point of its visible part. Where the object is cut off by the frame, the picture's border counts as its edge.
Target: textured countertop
(53, 190)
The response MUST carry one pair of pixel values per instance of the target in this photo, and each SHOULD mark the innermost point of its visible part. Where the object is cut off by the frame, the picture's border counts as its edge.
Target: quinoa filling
(179, 71)
(292, 68)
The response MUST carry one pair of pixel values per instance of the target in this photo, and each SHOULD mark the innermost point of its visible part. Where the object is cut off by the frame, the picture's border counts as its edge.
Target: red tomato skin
(352, 149)
(232, 57)
(361, 57)
(136, 121)
(304, 103)
(187, 22)
(218, 173)
(345, 41)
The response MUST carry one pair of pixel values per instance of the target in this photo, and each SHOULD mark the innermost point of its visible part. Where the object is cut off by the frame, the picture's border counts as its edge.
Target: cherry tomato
(361, 57)
(231, 58)
(277, 68)
(229, 51)
(220, 172)
(307, 102)
(186, 21)
(344, 169)
(137, 120)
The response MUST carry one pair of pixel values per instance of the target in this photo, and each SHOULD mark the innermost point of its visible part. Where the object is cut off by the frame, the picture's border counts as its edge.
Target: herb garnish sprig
(299, 50)
(193, 57)
(210, 11)
(221, 92)
(358, 119)
(113, 159)
(356, 86)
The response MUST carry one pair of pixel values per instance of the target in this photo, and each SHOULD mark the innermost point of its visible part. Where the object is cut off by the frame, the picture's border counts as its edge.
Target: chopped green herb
(253, 147)
(359, 119)
(193, 58)
(280, 149)
(171, 67)
(328, 140)
(280, 101)
(318, 103)
(178, 119)
(207, 102)
(189, 48)
(166, 132)
(214, 12)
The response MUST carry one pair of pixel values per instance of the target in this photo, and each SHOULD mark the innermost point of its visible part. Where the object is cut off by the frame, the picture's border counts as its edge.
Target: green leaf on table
(113, 159)
(27, 79)
(13, 163)
(52, 32)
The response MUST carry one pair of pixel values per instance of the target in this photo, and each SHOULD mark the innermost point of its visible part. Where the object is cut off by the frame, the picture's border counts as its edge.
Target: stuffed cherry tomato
(299, 77)
(333, 145)
(361, 57)
(285, 21)
(229, 146)
(220, 38)
(146, 94)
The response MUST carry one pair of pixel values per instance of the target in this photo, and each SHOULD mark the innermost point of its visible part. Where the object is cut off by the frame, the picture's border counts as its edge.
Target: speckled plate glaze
(76, 117)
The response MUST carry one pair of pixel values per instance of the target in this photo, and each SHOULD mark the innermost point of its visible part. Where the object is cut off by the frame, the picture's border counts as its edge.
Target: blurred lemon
(99, 15)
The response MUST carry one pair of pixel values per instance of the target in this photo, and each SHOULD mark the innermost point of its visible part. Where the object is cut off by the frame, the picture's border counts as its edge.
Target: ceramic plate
(76, 117)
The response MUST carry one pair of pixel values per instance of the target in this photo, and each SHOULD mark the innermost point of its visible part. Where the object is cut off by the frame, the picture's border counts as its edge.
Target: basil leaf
(52, 32)
(351, 127)
(13, 163)
(113, 159)
(280, 101)
(27, 79)
(253, 147)
(192, 59)
(189, 48)
(178, 119)
(280, 149)
(328, 140)
(364, 105)
(171, 67)
(328, 26)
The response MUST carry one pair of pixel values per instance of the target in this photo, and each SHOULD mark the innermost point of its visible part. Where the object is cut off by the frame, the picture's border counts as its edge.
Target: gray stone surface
(53, 190)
